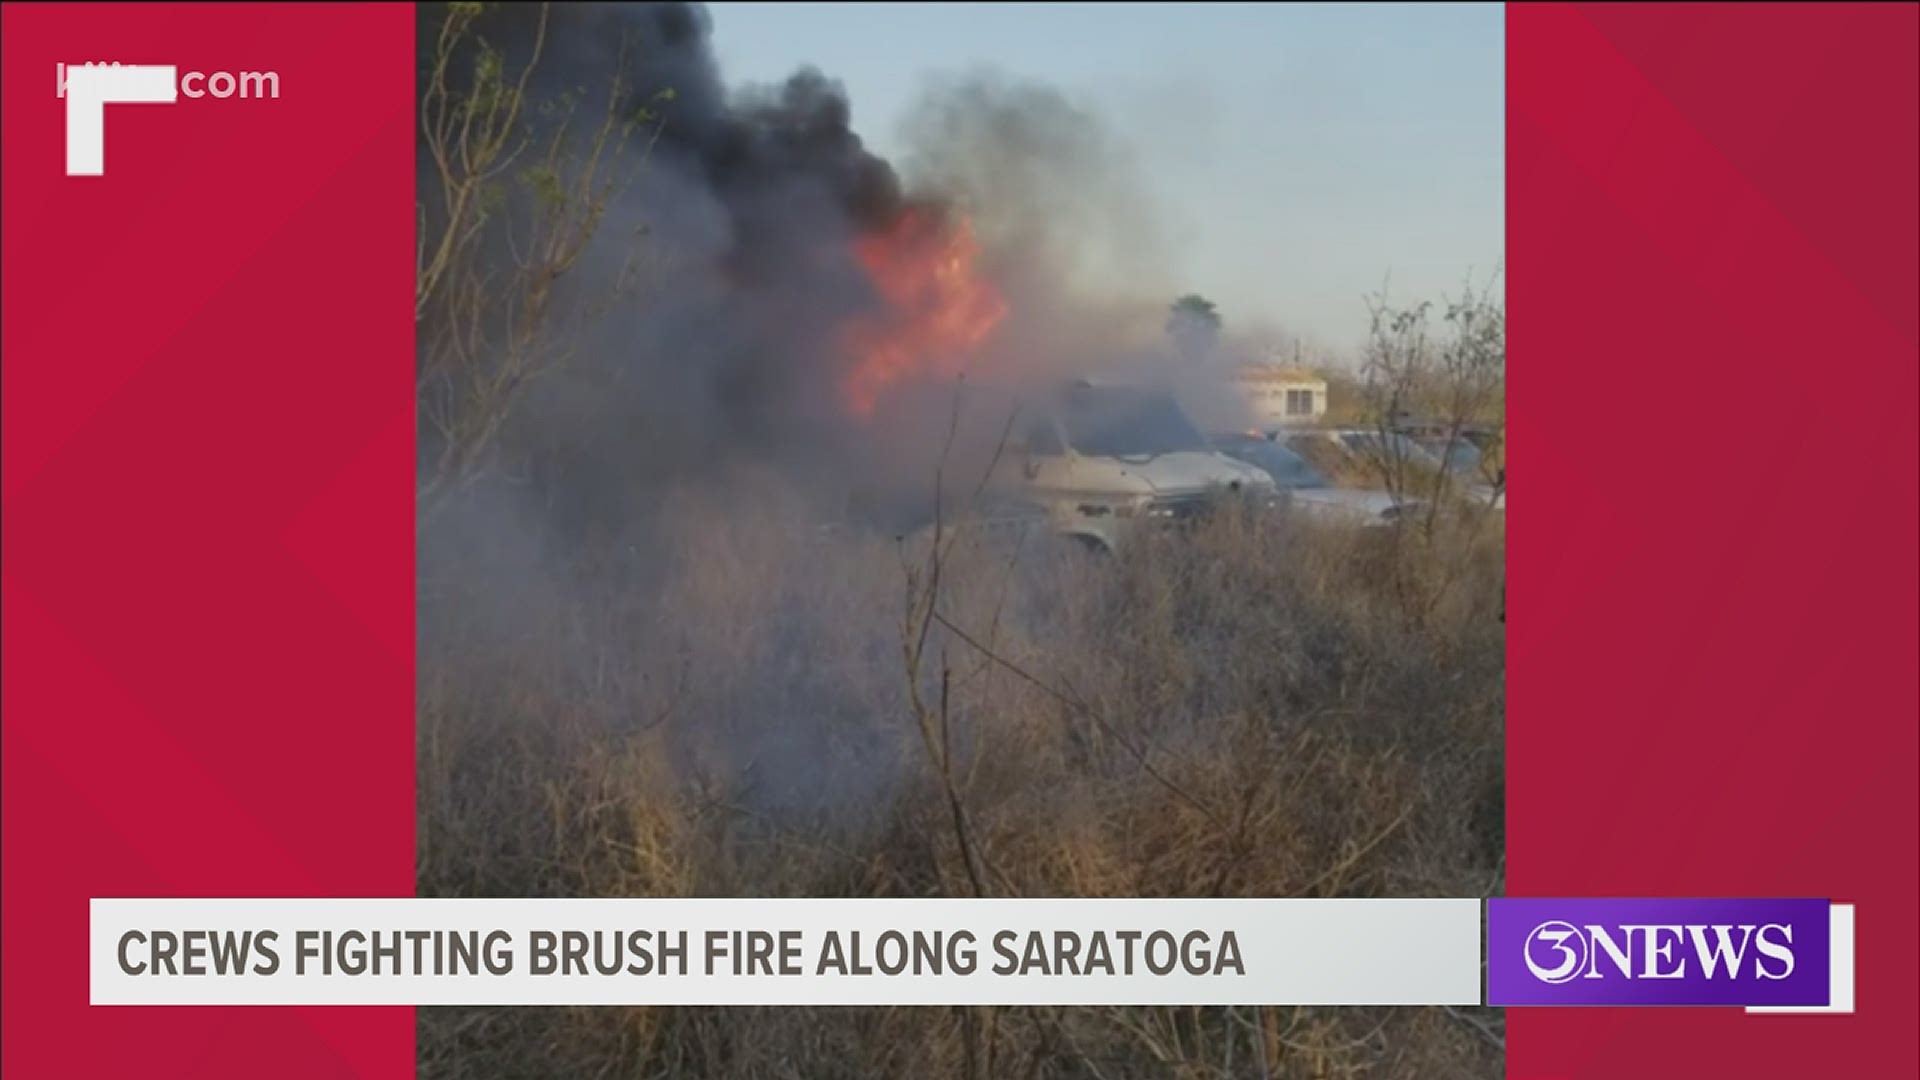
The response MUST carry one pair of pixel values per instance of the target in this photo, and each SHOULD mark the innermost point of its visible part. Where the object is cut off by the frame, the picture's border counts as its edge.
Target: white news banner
(784, 952)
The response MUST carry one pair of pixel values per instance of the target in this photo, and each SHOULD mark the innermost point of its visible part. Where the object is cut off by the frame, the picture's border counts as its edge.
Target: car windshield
(1394, 447)
(1461, 457)
(1127, 423)
(1288, 469)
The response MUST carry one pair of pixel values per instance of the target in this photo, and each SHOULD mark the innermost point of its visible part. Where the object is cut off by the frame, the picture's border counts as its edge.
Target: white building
(1279, 396)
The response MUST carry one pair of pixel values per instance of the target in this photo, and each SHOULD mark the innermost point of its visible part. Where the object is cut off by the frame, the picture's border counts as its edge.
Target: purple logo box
(1657, 952)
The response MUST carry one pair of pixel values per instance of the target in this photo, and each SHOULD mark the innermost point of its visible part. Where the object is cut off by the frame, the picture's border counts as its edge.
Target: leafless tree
(516, 186)
(1442, 383)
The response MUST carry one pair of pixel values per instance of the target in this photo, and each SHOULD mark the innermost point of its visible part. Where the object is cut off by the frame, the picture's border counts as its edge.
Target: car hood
(1370, 502)
(1187, 472)
(1349, 504)
(1485, 494)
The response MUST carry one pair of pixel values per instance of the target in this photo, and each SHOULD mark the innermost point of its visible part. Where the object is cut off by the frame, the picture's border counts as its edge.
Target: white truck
(1101, 459)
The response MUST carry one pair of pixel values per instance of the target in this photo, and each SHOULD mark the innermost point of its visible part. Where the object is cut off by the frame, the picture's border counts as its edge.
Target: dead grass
(1250, 707)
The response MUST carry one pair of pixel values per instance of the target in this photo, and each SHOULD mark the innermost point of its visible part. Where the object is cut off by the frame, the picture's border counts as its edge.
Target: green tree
(1194, 324)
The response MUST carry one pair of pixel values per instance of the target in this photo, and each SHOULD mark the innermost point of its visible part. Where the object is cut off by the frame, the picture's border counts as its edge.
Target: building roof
(1272, 373)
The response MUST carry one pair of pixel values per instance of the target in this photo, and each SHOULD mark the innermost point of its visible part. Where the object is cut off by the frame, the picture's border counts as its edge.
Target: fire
(939, 307)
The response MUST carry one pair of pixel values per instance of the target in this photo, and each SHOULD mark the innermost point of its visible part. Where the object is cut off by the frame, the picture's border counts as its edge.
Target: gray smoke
(744, 221)
(651, 547)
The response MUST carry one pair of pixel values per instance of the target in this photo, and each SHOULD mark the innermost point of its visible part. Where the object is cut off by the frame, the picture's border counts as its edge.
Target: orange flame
(939, 306)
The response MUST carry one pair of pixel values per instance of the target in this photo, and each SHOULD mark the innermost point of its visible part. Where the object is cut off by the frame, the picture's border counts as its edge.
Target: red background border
(208, 366)
(208, 524)
(1714, 289)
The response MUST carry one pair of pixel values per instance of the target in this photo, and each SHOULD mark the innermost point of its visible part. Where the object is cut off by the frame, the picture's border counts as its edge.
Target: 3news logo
(1559, 952)
(87, 89)
(1657, 952)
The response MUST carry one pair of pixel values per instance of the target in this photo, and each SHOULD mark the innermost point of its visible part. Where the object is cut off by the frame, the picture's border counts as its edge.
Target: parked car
(1299, 486)
(1470, 449)
(1361, 453)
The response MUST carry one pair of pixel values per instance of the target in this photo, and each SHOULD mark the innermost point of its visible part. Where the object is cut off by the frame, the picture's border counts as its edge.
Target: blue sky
(1295, 156)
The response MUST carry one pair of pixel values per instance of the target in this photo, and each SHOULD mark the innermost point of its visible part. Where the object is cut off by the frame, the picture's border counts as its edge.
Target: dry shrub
(1249, 707)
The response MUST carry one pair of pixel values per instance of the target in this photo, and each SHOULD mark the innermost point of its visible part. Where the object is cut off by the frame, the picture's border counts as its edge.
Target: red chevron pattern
(1714, 280)
(208, 514)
